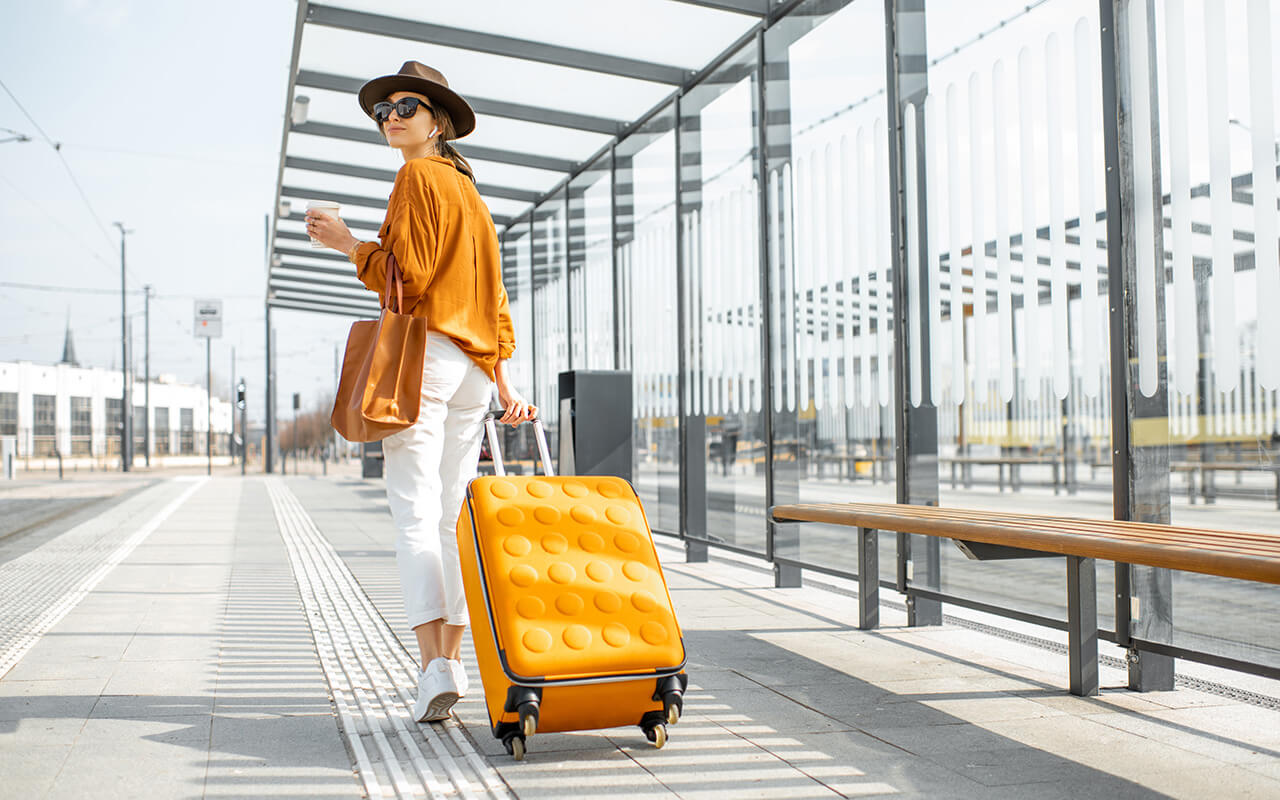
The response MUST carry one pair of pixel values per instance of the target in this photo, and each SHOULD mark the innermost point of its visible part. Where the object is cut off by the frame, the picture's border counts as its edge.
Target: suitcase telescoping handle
(491, 430)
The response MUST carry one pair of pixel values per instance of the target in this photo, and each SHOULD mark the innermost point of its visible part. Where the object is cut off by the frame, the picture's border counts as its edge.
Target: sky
(169, 116)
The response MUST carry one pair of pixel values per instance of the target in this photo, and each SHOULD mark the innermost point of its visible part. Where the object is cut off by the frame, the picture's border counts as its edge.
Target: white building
(75, 411)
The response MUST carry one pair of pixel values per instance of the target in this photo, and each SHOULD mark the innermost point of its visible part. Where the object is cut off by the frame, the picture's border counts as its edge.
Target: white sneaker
(437, 692)
(460, 676)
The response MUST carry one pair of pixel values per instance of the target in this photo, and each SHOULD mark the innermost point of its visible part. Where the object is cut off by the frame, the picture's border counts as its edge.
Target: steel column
(1140, 471)
(868, 579)
(915, 428)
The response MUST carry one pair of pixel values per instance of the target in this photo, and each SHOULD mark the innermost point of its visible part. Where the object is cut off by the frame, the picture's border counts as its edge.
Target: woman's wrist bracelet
(351, 254)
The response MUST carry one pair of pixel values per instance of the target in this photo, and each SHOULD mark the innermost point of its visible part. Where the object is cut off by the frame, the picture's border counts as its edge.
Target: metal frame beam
(320, 309)
(350, 134)
(756, 8)
(493, 108)
(389, 176)
(510, 47)
(317, 270)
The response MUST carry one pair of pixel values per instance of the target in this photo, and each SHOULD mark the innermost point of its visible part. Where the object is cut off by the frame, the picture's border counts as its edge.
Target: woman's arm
(518, 409)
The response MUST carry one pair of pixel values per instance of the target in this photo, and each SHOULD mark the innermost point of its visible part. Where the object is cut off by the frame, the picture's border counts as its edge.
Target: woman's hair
(447, 133)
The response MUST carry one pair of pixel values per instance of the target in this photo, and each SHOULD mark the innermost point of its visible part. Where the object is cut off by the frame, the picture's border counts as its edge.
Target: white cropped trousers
(428, 466)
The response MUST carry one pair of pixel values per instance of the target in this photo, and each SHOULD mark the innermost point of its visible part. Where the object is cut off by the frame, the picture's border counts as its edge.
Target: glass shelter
(1002, 255)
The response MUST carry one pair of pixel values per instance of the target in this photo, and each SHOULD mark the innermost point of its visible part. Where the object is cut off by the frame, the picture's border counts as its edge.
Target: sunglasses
(404, 109)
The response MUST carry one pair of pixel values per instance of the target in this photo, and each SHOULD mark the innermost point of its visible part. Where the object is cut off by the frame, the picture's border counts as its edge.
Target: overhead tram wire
(57, 149)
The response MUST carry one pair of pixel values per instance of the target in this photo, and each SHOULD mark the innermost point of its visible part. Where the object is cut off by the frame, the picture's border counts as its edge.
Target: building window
(81, 426)
(186, 431)
(139, 430)
(44, 430)
(8, 413)
(113, 426)
(162, 431)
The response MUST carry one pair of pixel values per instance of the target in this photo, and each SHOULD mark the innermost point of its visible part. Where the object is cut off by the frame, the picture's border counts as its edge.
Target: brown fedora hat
(416, 77)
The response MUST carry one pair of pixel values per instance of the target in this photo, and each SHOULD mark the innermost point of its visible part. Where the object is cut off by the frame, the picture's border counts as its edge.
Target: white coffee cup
(328, 207)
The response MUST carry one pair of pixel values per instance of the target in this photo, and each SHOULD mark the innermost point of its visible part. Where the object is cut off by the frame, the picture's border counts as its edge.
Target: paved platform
(244, 637)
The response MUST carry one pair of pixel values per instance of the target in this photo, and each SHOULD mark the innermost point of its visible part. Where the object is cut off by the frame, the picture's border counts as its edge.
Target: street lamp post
(146, 375)
(126, 408)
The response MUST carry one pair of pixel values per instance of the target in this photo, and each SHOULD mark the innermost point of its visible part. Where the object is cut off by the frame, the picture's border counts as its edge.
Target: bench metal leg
(786, 576)
(868, 579)
(1082, 625)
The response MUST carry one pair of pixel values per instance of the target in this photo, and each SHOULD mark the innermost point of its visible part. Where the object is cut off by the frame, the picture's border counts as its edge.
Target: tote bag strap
(393, 272)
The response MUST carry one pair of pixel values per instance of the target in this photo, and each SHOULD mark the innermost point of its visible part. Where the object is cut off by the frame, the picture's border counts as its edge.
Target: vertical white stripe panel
(956, 243)
(933, 199)
(789, 282)
(831, 213)
(723, 298)
(1265, 228)
(1090, 303)
(818, 268)
(866, 255)
(758, 300)
(1027, 93)
(776, 272)
(1225, 351)
(977, 184)
(849, 259)
(1004, 291)
(732, 290)
(744, 233)
(803, 275)
(910, 163)
(884, 336)
(687, 247)
(1144, 211)
(1057, 232)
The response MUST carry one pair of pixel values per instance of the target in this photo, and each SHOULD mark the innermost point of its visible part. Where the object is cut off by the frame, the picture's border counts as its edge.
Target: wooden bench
(967, 463)
(1228, 554)
(1204, 468)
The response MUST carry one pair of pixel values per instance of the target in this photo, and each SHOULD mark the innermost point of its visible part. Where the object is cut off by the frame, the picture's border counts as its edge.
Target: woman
(443, 239)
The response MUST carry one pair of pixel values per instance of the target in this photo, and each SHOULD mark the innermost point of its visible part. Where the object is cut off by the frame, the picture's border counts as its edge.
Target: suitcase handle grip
(539, 434)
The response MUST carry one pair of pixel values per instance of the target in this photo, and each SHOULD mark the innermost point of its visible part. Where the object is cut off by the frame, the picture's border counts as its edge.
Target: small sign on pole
(208, 322)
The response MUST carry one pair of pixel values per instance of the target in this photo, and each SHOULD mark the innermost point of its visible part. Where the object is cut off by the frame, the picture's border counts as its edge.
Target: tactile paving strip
(372, 679)
(39, 588)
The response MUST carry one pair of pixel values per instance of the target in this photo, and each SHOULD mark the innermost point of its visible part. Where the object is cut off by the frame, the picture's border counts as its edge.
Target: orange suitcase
(570, 612)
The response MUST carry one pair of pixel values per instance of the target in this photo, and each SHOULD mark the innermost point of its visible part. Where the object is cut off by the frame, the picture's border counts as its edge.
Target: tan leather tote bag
(380, 390)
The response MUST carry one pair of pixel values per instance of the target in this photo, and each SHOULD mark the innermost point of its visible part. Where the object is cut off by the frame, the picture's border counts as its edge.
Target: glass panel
(591, 266)
(646, 253)
(8, 413)
(186, 431)
(1217, 92)
(1016, 262)
(829, 271)
(162, 431)
(720, 201)
(550, 304)
(81, 425)
(44, 424)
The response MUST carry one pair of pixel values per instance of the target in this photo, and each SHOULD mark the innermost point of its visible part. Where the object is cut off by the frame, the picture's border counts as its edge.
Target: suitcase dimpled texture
(570, 611)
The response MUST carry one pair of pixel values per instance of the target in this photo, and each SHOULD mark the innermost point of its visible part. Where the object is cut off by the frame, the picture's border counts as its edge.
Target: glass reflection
(648, 324)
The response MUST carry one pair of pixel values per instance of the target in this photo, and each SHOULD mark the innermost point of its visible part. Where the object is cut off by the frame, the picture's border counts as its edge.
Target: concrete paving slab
(122, 758)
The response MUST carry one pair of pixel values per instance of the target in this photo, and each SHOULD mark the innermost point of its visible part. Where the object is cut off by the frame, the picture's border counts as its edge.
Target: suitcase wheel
(514, 743)
(672, 706)
(528, 718)
(656, 734)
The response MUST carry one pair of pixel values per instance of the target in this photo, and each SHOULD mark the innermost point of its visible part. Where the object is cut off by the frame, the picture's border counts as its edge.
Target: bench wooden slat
(1230, 554)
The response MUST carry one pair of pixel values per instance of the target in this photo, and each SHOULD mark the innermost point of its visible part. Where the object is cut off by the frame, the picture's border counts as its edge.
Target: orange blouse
(444, 241)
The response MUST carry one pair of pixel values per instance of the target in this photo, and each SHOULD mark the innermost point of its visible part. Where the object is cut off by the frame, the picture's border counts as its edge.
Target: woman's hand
(329, 231)
(518, 409)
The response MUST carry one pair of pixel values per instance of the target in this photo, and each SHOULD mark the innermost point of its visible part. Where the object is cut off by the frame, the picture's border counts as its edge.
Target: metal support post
(268, 449)
(1140, 446)
(868, 579)
(126, 406)
(208, 405)
(146, 374)
(1082, 625)
(915, 426)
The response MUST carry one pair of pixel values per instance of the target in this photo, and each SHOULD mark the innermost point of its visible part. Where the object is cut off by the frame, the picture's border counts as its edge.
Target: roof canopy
(554, 84)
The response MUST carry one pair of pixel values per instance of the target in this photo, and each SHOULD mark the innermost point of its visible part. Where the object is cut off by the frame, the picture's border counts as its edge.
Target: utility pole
(126, 407)
(146, 379)
(231, 392)
(208, 405)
